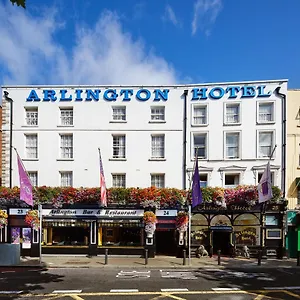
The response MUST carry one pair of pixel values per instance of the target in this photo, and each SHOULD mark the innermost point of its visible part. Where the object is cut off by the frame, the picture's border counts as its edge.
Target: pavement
(136, 262)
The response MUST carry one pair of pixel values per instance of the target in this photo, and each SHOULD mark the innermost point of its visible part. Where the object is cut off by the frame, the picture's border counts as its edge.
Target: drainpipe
(185, 93)
(283, 133)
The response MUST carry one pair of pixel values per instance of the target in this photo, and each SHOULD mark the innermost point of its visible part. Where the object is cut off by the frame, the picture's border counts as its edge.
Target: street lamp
(8, 99)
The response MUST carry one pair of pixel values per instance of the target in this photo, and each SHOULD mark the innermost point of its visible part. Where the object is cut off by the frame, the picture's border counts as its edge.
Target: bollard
(298, 258)
(106, 257)
(259, 257)
(184, 257)
(219, 257)
(146, 256)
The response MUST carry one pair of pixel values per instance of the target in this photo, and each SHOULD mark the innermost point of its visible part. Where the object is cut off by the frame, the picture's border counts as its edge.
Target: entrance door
(165, 242)
(221, 241)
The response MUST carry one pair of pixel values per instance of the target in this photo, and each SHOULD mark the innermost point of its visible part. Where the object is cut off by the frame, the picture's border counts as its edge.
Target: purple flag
(25, 184)
(196, 191)
(264, 187)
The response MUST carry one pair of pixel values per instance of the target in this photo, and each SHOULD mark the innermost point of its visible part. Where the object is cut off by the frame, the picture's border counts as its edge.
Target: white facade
(142, 141)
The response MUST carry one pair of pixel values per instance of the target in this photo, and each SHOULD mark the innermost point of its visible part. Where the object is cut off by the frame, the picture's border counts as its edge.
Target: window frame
(72, 178)
(193, 145)
(113, 115)
(258, 103)
(37, 146)
(65, 108)
(119, 135)
(226, 104)
(239, 132)
(37, 179)
(164, 146)
(35, 109)
(196, 105)
(158, 174)
(273, 176)
(60, 146)
(151, 114)
(273, 131)
(118, 174)
(232, 173)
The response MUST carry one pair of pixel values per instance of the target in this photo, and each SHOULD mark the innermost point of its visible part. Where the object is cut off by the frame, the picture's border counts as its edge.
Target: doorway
(221, 241)
(165, 242)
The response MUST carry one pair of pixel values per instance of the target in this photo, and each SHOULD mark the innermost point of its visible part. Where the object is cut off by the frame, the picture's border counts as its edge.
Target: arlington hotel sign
(142, 95)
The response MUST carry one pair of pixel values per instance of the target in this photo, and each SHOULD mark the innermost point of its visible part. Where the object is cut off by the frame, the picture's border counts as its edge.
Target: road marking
(282, 288)
(260, 297)
(124, 291)
(133, 274)
(8, 271)
(11, 292)
(292, 294)
(177, 274)
(174, 290)
(173, 296)
(76, 297)
(225, 289)
(66, 291)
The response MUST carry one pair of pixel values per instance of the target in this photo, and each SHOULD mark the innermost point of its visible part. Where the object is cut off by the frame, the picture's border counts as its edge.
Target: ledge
(118, 121)
(65, 126)
(65, 159)
(157, 159)
(30, 159)
(157, 122)
(118, 159)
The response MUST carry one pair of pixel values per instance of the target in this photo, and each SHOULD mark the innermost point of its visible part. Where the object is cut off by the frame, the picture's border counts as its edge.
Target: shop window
(31, 116)
(158, 180)
(220, 220)
(157, 114)
(273, 234)
(66, 146)
(66, 116)
(119, 113)
(247, 219)
(203, 180)
(232, 180)
(271, 220)
(31, 146)
(157, 146)
(119, 146)
(246, 235)
(121, 236)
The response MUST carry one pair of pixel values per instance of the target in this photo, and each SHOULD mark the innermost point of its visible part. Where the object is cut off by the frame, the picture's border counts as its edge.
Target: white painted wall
(92, 129)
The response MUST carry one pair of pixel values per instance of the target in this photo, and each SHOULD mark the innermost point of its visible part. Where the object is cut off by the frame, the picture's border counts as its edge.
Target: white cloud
(169, 15)
(205, 15)
(103, 54)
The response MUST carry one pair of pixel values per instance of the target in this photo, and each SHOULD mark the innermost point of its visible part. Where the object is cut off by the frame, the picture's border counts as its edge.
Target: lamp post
(8, 99)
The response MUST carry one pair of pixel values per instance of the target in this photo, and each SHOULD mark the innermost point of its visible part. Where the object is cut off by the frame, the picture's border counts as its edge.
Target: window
(203, 180)
(119, 180)
(66, 146)
(200, 144)
(31, 146)
(265, 143)
(66, 116)
(200, 115)
(273, 234)
(232, 180)
(158, 180)
(119, 145)
(259, 175)
(232, 114)
(33, 176)
(158, 114)
(119, 113)
(158, 146)
(232, 145)
(66, 179)
(31, 116)
(266, 112)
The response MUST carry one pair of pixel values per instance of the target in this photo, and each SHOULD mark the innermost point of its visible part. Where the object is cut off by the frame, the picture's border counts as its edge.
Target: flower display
(150, 221)
(158, 198)
(32, 219)
(3, 218)
(182, 220)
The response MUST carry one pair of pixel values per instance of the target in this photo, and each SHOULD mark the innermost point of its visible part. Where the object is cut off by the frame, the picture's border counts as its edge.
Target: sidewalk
(69, 261)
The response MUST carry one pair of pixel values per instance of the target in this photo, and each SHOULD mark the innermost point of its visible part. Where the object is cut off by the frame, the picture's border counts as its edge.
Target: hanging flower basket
(150, 221)
(3, 218)
(32, 219)
(182, 220)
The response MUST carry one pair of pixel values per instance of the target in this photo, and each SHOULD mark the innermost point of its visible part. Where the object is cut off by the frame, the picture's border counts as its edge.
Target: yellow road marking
(76, 297)
(174, 297)
(158, 297)
(53, 297)
(291, 294)
(261, 296)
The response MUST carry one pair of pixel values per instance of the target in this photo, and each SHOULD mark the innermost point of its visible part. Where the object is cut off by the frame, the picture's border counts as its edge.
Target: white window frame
(226, 104)
(161, 175)
(259, 103)
(194, 133)
(152, 115)
(116, 157)
(34, 111)
(272, 146)
(30, 174)
(239, 145)
(27, 146)
(70, 109)
(207, 178)
(118, 177)
(61, 173)
(115, 115)
(61, 147)
(194, 106)
(261, 171)
(232, 173)
(163, 147)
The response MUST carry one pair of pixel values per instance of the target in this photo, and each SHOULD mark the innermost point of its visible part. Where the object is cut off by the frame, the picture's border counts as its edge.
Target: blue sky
(149, 42)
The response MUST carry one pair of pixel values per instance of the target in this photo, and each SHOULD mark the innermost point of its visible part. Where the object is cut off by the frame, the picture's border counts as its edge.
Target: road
(143, 284)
